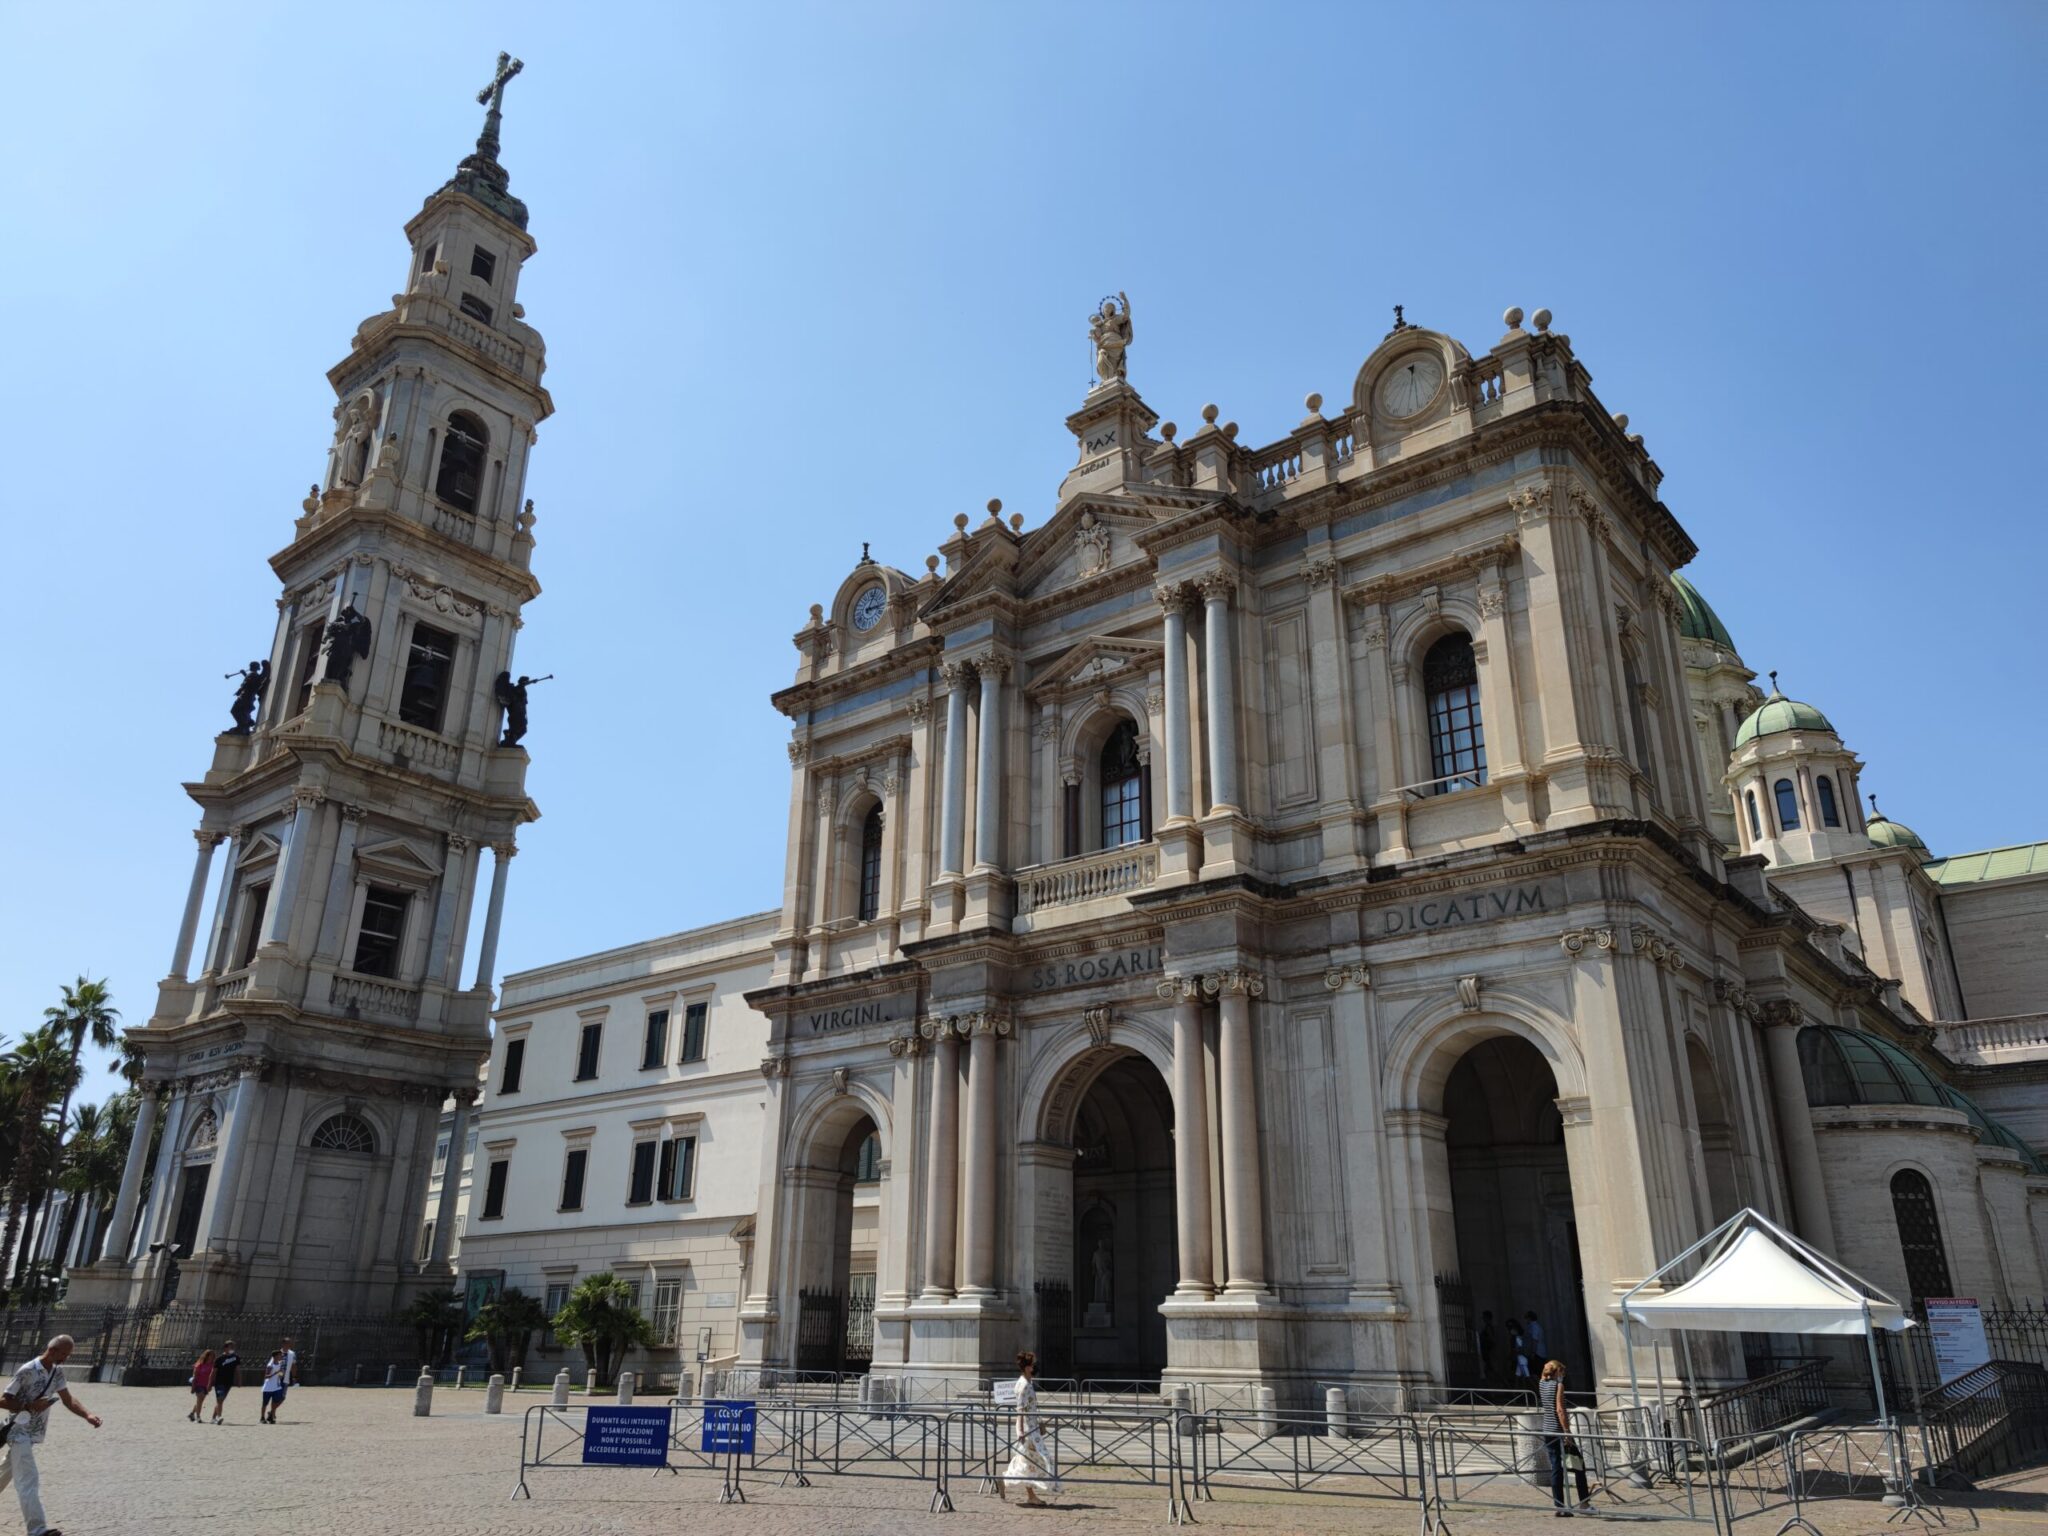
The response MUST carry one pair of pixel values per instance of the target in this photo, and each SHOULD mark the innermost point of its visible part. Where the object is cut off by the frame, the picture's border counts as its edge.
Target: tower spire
(480, 175)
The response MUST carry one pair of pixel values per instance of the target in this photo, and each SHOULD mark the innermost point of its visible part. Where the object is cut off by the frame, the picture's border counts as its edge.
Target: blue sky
(814, 274)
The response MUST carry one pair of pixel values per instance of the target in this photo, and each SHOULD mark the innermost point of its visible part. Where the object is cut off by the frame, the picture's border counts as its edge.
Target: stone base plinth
(1227, 842)
(988, 901)
(1228, 1339)
(968, 1337)
(1180, 854)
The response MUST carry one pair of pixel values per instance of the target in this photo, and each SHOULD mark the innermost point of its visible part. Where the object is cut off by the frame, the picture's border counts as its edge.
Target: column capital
(1576, 941)
(1217, 586)
(1781, 1013)
(1172, 989)
(457, 843)
(465, 1098)
(1238, 983)
(1338, 977)
(798, 751)
(774, 1066)
(992, 668)
(920, 709)
(992, 1022)
(237, 832)
(911, 1042)
(353, 812)
(1171, 595)
(208, 837)
(308, 796)
(504, 847)
(1321, 571)
(935, 1028)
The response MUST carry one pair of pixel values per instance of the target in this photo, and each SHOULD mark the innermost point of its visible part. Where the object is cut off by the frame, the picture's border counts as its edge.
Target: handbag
(1574, 1458)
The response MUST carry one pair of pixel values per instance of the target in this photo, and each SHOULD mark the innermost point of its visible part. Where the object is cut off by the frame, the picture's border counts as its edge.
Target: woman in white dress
(1030, 1465)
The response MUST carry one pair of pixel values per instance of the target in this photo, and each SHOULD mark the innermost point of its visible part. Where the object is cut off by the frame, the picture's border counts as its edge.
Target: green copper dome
(1696, 620)
(1779, 713)
(1848, 1067)
(1886, 833)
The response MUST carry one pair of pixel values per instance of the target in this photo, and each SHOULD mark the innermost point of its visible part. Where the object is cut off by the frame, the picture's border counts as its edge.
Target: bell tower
(309, 1032)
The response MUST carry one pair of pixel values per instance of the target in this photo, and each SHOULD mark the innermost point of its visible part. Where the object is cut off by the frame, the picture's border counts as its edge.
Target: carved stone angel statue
(1110, 329)
(352, 447)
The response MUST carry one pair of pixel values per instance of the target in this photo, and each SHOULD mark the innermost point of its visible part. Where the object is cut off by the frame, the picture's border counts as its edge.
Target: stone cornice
(1461, 565)
(912, 656)
(401, 539)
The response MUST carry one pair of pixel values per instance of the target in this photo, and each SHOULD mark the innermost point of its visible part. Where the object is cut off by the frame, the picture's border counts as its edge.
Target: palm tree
(40, 1072)
(94, 1159)
(601, 1318)
(507, 1324)
(87, 1009)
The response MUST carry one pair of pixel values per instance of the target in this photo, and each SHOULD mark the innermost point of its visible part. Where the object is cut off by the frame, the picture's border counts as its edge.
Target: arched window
(1788, 805)
(461, 479)
(344, 1133)
(868, 1164)
(1123, 788)
(1825, 787)
(1920, 1235)
(871, 863)
(1756, 824)
(1457, 743)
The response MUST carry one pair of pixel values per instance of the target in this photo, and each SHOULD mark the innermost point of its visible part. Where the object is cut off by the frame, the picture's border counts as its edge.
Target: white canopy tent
(1758, 1278)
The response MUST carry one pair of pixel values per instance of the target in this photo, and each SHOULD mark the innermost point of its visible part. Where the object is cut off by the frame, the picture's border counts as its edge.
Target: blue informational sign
(626, 1437)
(728, 1426)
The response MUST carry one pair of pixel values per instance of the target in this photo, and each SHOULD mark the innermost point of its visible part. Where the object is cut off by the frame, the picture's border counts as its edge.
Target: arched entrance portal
(840, 1237)
(1511, 1198)
(1123, 1222)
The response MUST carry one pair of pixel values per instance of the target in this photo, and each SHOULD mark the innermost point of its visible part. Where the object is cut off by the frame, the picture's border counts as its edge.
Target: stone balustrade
(1113, 872)
(1982, 1042)
(460, 526)
(385, 999)
(1277, 471)
(423, 750)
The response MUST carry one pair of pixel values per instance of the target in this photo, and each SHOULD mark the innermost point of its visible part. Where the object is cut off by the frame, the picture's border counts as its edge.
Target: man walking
(287, 1375)
(26, 1405)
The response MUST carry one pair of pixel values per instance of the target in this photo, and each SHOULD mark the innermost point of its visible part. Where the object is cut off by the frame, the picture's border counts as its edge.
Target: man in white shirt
(26, 1404)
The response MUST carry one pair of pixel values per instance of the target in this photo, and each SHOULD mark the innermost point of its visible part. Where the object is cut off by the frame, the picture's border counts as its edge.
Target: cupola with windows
(1722, 693)
(1793, 785)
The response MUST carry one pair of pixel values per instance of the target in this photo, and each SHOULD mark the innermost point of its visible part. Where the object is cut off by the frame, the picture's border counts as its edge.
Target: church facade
(1299, 900)
(304, 1043)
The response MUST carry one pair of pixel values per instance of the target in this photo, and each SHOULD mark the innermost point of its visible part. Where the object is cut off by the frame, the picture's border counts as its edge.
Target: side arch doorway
(839, 1238)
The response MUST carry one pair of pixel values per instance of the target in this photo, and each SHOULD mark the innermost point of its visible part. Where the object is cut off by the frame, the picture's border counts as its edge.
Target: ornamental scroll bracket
(1098, 1021)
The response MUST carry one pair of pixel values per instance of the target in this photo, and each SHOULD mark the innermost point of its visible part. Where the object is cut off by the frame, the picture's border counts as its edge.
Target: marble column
(341, 875)
(1244, 1221)
(1190, 1140)
(988, 782)
(219, 1215)
(953, 803)
(1220, 697)
(284, 895)
(223, 898)
(156, 1213)
(451, 1180)
(195, 894)
(123, 1220)
(454, 859)
(942, 1165)
(494, 916)
(1796, 1141)
(979, 1160)
(1180, 790)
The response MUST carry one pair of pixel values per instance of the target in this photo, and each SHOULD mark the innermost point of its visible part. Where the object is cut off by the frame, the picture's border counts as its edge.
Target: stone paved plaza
(357, 1461)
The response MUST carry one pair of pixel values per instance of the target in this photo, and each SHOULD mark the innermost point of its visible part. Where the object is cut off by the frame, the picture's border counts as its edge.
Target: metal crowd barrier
(1377, 1457)
(1488, 1469)
(1088, 1445)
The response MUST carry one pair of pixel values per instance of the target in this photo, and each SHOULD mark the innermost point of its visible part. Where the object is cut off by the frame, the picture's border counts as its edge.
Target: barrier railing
(1376, 1457)
(1484, 1469)
(1088, 1445)
(1756, 1406)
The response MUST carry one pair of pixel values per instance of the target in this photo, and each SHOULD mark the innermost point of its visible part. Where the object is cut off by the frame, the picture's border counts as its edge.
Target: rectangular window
(428, 664)
(655, 1050)
(494, 1189)
(557, 1298)
(668, 1311)
(641, 1190)
(256, 899)
(475, 308)
(429, 254)
(693, 1031)
(440, 1157)
(515, 1064)
(426, 1242)
(678, 1168)
(633, 1295)
(309, 666)
(482, 263)
(383, 930)
(572, 1178)
(586, 1052)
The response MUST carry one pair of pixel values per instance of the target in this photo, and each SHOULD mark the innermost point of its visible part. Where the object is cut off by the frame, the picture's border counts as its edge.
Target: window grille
(1457, 738)
(668, 1310)
(345, 1133)
(429, 664)
(1920, 1235)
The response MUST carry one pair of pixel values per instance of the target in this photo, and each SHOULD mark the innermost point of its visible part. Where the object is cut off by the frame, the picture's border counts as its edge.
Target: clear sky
(813, 274)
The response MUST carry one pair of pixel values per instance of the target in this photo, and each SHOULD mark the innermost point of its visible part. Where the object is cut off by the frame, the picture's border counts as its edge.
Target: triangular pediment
(397, 860)
(1105, 660)
(1083, 540)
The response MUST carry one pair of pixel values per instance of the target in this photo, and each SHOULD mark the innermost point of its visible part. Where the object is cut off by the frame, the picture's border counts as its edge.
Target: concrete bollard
(1266, 1403)
(561, 1397)
(627, 1381)
(1337, 1409)
(1530, 1461)
(494, 1395)
(391, 1375)
(460, 1372)
(423, 1396)
(686, 1385)
(590, 1383)
(514, 1383)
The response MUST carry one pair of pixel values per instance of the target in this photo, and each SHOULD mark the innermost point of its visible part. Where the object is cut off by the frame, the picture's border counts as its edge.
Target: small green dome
(1779, 713)
(1886, 833)
(1848, 1067)
(1698, 621)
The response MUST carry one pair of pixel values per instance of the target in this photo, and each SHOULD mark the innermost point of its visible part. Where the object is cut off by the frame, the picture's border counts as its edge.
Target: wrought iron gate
(857, 1340)
(1461, 1352)
(1055, 1340)
(820, 1321)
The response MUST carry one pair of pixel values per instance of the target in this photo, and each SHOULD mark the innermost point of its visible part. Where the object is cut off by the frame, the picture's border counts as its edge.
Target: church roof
(1991, 864)
(1779, 713)
(1843, 1066)
(1697, 619)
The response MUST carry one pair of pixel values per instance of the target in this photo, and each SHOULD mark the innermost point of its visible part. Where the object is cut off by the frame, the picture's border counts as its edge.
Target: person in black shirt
(226, 1367)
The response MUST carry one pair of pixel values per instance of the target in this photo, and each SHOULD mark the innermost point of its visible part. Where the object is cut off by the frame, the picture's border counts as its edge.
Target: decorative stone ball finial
(931, 564)
(1016, 522)
(1512, 317)
(995, 506)
(1314, 403)
(1542, 319)
(1168, 431)
(817, 613)
(1209, 414)
(1230, 430)
(960, 521)
(1621, 420)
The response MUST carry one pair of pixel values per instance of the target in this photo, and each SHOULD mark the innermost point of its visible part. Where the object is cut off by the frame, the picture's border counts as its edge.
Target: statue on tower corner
(347, 639)
(248, 694)
(1109, 328)
(512, 699)
(352, 444)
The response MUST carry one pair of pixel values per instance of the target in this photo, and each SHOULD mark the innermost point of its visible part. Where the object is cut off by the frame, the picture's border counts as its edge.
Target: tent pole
(1692, 1386)
(1893, 1493)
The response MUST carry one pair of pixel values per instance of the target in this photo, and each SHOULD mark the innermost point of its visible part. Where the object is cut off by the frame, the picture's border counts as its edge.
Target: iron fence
(152, 1348)
(1753, 1407)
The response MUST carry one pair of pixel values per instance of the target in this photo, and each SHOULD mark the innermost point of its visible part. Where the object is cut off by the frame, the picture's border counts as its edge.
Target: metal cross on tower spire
(492, 96)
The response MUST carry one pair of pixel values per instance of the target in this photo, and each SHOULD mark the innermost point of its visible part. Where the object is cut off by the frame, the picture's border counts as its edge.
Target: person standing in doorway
(1558, 1443)
(1030, 1465)
(202, 1382)
(1487, 1375)
(26, 1403)
(1532, 1330)
(227, 1367)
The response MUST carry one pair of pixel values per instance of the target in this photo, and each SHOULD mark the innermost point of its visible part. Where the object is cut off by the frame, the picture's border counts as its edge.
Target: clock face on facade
(867, 609)
(1410, 384)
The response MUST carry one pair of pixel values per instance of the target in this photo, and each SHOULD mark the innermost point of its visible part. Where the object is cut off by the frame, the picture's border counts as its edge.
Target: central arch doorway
(840, 1195)
(1124, 1249)
(1516, 1231)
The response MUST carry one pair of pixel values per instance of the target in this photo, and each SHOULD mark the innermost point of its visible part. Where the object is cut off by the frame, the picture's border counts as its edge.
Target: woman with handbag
(1558, 1443)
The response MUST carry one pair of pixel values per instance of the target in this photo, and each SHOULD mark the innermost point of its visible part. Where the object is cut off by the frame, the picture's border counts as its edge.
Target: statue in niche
(511, 698)
(1109, 328)
(352, 447)
(248, 695)
(1103, 1265)
(347, 640)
